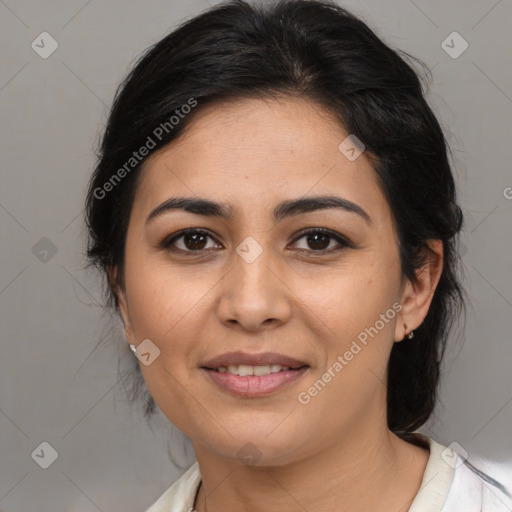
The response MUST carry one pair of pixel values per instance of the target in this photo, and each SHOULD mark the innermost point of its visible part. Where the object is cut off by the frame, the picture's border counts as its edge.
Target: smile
(254, 381)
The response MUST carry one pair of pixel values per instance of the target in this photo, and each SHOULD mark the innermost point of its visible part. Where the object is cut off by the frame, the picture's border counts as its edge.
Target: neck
(362, 471)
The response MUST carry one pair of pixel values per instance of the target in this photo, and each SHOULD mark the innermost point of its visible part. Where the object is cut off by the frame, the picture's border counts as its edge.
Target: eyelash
(168, 242)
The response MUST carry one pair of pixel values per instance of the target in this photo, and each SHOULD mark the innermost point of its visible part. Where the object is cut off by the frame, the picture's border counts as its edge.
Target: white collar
(436, 494)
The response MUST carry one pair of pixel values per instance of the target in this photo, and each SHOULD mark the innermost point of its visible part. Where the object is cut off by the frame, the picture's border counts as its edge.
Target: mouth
(254, 381)
(252, 360)
(244, 370)
(251, 374)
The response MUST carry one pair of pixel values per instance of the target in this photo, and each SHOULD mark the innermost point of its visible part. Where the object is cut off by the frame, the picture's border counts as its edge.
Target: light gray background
(56, 387)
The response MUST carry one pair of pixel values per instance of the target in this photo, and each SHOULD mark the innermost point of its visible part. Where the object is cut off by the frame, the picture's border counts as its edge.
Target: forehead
(258, 152)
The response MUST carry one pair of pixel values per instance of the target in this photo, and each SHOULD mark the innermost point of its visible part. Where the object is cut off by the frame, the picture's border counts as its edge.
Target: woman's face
(254, 283)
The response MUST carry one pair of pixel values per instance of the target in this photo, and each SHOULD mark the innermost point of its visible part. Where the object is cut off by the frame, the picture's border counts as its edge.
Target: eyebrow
(207, 208)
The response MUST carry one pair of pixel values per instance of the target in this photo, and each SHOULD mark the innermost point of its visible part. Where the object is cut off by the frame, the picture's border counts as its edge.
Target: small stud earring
(133, 347)
(410, 335)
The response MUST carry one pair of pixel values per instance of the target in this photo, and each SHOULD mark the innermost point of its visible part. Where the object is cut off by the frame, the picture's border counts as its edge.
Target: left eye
(194, 240)
(318, 238)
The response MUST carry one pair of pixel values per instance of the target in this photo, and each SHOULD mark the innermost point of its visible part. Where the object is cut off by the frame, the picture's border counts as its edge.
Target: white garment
(448, 485)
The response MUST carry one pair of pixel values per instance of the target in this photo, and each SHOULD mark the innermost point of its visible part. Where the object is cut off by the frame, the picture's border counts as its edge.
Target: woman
(276, 215)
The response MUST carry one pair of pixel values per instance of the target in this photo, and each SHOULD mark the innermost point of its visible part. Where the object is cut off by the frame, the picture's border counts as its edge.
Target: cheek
(352, 301)
(353, 375)
(164, 299)
(166, 307)
(357, 314)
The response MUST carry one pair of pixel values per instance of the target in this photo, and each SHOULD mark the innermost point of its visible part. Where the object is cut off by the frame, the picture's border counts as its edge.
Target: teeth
(245, 370)
(258, 370)
(242, 370)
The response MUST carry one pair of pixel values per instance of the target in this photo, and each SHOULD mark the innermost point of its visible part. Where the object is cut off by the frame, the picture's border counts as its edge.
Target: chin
(256, 448)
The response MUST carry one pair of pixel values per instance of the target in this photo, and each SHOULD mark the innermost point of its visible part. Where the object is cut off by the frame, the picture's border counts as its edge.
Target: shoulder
(453, 483)
(479, 486)
(181, 494)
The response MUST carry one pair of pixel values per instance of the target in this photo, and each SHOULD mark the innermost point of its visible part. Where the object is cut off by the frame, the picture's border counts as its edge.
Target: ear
(416, 298)
(122, 304)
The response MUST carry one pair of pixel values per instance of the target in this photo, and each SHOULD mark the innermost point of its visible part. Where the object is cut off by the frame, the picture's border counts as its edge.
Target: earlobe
(122, 303)
(417, 296)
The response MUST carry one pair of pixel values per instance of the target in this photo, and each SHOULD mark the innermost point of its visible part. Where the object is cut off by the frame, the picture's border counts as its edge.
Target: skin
(335, 453)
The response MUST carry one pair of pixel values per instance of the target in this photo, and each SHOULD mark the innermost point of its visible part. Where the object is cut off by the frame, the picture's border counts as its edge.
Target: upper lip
(262, 359)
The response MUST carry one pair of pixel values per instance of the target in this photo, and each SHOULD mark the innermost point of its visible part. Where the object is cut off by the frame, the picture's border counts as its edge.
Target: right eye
(194, 240)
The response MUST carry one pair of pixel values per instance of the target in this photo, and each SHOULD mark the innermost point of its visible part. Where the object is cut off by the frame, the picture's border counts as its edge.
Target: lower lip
(254, 386)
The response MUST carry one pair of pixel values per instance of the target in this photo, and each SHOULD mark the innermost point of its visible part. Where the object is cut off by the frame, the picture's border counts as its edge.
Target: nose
(254, 294)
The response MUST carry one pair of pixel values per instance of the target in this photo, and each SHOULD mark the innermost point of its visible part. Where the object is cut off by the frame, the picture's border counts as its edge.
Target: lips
(255, 386)
(237, 368)
(243, 358)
